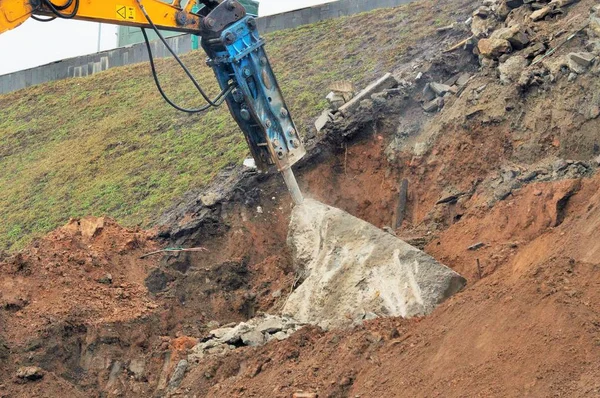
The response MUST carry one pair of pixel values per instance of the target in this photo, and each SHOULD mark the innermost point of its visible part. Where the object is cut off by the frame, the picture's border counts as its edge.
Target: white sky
(35, 43)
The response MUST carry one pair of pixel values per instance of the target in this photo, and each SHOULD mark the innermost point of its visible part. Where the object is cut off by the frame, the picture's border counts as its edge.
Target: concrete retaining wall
(90, 64)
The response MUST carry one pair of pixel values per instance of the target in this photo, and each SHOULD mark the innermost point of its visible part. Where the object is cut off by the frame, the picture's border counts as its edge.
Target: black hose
(185, 69)
(56, 10)
(217, 101)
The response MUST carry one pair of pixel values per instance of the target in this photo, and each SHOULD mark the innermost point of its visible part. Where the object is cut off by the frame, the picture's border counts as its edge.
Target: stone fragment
(534, 50)
(281, 336)
(219, 333)
(494, 48)
(235, 334)
(106, 279)
(463, 79)
(254, 338)
(593, 113)
(594, 25)
(386, 82)
(433, 105)
(584, 59)
(323, 120)
(335, 100)
(428, 93)
(30, 373)
(178, 374)
(503, 11)
(250, 163)
(304, 395)
(343, 89)
(439, 89)
(540, 14)
(481, 27)
(137, 368)
(91, 226)
(511, 70)
(270, 325)
(575, 66)
(353, 267)
(515, 36)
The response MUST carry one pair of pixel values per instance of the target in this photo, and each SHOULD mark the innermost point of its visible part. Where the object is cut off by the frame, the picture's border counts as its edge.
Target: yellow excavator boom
(119, 12)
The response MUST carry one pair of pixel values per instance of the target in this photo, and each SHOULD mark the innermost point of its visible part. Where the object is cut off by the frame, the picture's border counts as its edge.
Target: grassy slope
(108, 144)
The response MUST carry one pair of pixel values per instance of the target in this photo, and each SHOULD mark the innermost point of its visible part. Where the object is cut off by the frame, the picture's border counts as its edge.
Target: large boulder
(351, 268)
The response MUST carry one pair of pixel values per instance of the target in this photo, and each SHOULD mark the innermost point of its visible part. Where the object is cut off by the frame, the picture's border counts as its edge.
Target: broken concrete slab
(386, 82)
(351, 267)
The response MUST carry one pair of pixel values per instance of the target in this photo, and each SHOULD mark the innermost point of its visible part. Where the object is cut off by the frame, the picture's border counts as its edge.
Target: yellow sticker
(125, 13)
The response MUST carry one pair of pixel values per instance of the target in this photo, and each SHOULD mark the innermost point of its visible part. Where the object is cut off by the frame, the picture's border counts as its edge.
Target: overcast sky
(35, 43)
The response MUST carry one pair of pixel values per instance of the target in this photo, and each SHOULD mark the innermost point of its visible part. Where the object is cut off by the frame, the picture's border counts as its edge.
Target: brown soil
(528, 324)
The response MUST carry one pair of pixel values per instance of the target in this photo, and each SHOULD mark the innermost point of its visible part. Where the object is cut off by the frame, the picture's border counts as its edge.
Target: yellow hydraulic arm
(172, 17)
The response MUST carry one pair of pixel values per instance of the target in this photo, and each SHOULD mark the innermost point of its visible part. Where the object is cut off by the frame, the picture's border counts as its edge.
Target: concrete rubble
(352, 271)
(386, 82)
(253, 333)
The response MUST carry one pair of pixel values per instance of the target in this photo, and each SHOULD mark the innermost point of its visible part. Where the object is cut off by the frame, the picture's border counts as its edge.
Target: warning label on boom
(126, 13)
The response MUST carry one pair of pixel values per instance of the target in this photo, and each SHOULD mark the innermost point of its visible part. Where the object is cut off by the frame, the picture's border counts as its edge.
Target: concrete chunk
(253, 338)
(584, 59)
(386, 82)
(322, 120)
(352, 267)
(440, 89)
(270, 325)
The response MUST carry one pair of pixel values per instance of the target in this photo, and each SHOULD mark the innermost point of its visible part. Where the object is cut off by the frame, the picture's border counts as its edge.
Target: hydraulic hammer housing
(237, 55)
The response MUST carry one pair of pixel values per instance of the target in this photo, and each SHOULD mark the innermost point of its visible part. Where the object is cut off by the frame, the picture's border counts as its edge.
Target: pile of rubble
(504, 31)
(253, 333)
(344, 101)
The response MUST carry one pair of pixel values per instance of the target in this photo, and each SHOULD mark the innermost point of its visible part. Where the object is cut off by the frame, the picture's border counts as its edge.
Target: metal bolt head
(238, 96)
(263, 61)
(209, 22)
(276, 142)
(229, 38)
(245, 114)
(284, 112)
(230, 5)
(268, 123)
(251, 23)
(247, 72)
(292, 132)
(295, 143)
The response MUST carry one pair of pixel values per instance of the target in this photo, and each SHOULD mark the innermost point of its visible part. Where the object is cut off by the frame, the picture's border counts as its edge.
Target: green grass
(109, 145)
